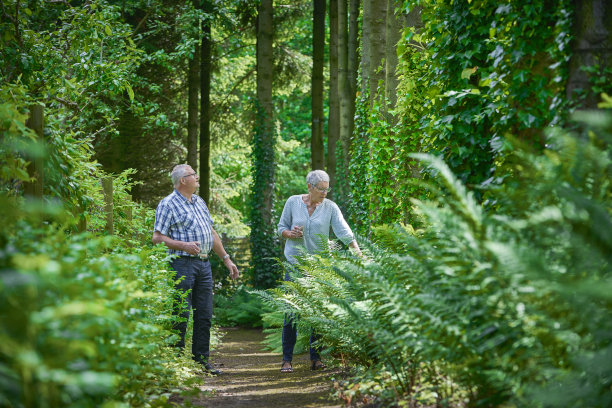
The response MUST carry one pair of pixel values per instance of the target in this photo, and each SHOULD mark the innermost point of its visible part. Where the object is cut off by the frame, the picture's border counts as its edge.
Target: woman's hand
(354, 247)
(294, 233)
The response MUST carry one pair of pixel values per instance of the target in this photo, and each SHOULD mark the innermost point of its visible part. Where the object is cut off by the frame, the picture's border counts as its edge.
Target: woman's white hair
(179, 171)
(316, 176)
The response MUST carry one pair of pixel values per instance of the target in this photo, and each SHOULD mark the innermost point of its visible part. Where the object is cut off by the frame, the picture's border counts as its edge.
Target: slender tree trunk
(333, 123)
(265, 65)
(366, 39)
(36, 122)
(344, 90)
(205, 68)
(375, 21)
(592, 45)
(353, 60)
(193, 84)
(318, 46)
(392, 37)
(263, 238)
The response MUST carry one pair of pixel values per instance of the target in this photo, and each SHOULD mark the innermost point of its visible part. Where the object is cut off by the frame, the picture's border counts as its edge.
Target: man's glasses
(192, 174)
(323, 190)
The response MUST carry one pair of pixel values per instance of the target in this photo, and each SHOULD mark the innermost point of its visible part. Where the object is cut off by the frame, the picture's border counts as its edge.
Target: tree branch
(233, 50)
(69, 104)
(141, 23)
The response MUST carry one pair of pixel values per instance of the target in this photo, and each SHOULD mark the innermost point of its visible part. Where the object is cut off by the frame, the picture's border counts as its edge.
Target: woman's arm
(355, 248)
(284, 224)
(343, 231)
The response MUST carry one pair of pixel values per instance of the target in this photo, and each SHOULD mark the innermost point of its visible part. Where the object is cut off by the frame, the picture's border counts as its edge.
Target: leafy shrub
(238, 309)
(84, 318)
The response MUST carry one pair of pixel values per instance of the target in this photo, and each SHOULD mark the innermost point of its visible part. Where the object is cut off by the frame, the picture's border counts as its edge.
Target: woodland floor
(252, 378)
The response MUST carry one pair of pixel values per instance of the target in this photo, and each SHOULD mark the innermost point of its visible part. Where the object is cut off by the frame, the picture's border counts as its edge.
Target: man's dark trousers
(198, 279)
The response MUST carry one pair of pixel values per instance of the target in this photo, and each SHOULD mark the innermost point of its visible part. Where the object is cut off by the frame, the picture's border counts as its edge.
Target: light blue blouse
(316, 226)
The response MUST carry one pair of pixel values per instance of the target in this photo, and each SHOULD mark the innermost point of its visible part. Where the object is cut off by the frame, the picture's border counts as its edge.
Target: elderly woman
(305, 223)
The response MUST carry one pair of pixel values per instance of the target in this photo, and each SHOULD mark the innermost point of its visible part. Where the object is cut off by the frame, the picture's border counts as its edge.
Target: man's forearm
(169, 242)
(218, 245)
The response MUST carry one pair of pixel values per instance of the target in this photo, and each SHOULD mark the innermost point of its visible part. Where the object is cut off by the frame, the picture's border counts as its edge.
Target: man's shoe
(210, 369)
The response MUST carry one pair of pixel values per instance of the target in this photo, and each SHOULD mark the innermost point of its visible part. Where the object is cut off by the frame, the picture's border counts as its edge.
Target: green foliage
(84, 320)
(77, 60)
(238, 309)
(491, 305)
(230, 183)
(16, 137)
(496, 70)
(382, 172)
(475, 74)
(358, 183)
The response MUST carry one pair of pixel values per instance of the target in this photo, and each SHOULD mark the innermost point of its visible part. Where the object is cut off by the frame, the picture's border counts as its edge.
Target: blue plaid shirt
(181, 220)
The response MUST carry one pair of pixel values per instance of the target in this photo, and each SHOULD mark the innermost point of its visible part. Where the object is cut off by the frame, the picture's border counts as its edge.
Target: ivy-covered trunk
(263, 237)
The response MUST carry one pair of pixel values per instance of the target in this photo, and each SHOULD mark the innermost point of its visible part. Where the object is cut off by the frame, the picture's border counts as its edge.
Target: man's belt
(203, 257)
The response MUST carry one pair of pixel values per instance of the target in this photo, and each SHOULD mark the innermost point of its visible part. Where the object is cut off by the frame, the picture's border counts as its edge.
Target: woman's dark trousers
(290, 337)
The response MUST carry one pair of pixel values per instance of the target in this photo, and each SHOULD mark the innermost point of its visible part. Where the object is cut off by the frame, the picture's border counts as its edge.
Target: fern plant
(488, 303)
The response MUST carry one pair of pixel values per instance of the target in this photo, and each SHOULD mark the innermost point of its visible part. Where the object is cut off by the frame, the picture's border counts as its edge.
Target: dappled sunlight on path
(252, 378)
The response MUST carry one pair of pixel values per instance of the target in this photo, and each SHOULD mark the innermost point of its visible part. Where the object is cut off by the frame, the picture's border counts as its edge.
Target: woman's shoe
(317, 365)
(286, 367)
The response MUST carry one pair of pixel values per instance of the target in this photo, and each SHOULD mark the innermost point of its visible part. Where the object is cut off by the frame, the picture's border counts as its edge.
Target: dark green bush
(239, 309)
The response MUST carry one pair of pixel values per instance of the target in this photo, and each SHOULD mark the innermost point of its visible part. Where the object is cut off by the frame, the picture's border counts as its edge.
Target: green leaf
(130, 91)
(468, 72)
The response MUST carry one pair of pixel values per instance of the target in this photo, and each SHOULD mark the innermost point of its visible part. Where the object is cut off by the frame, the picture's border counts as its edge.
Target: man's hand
(192, 248)
(233, 269)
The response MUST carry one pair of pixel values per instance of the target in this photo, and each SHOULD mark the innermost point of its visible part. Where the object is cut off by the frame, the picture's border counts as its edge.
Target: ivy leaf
(468, 72)
(130, 91)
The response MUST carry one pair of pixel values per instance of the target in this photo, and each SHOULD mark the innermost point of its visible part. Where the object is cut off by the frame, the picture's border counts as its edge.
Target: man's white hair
(179, 171)
(316, 176)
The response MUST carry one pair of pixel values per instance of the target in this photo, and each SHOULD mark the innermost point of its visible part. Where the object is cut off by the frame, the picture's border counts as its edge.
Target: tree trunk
(353, 61)
(193, 84)
(318, 46)
(375, 21)
(205, 67)
(344, 90)
(366, 39)
(36, 167)
(333, 123)
(263, 237)
(392, 37)
(592, 45)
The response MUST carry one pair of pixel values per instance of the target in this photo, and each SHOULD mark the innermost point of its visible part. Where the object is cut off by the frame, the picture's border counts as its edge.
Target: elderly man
(184, 225)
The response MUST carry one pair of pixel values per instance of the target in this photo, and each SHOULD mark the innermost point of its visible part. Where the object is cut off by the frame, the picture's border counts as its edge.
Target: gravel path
(252, 378)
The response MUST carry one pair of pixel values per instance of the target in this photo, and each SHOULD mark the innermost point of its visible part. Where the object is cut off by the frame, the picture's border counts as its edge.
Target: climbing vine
(264, 241)
(476, 75)
(496, 71)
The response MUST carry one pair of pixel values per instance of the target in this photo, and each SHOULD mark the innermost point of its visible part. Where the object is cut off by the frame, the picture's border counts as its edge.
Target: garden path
(252, 378)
